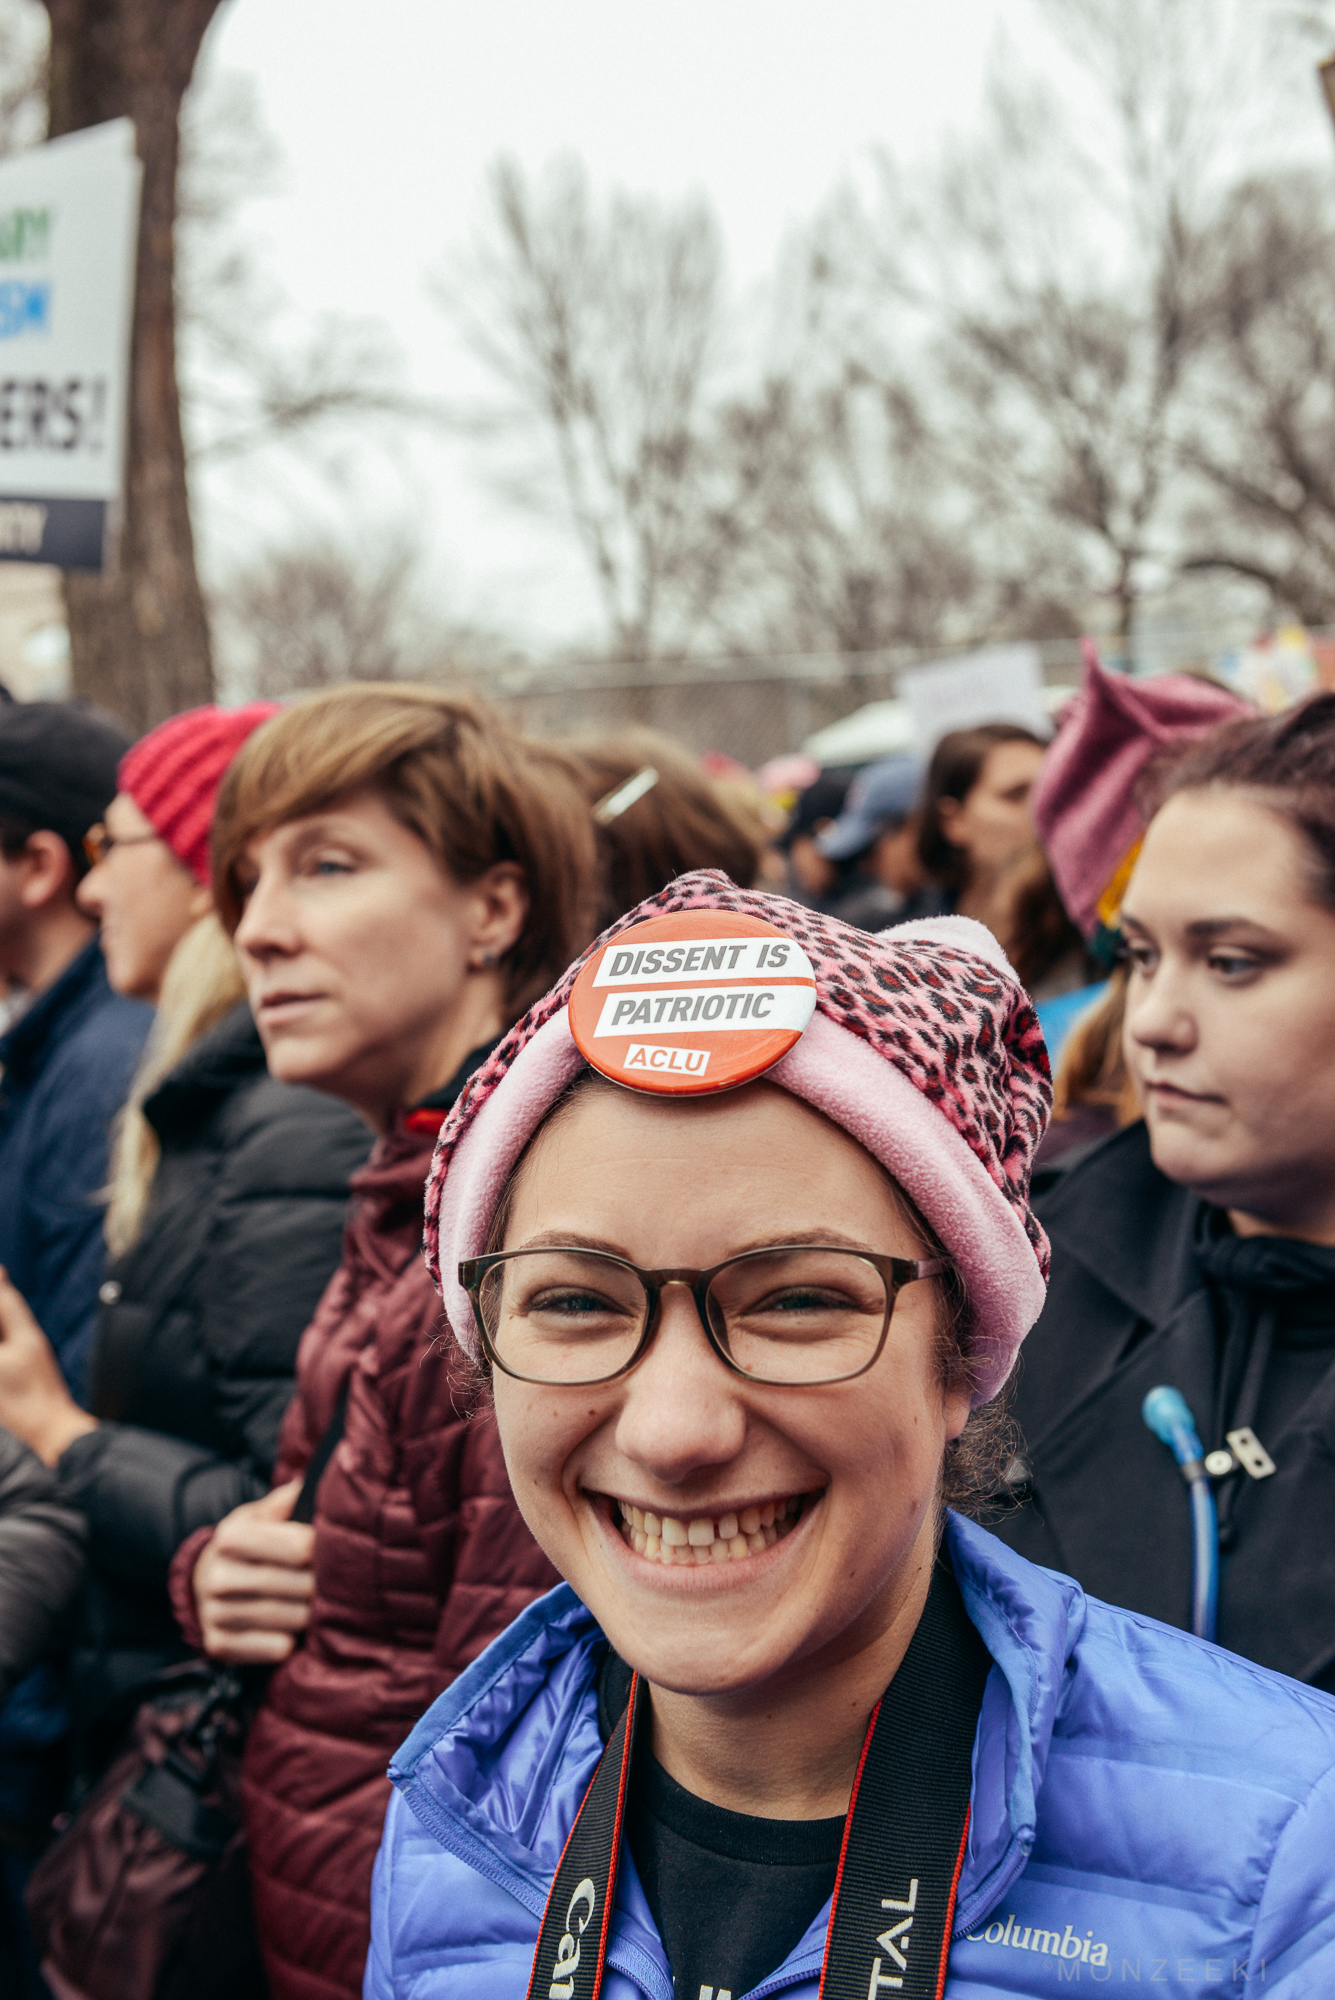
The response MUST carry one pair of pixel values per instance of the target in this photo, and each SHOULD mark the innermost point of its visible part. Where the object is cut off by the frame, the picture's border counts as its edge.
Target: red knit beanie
(174, 772)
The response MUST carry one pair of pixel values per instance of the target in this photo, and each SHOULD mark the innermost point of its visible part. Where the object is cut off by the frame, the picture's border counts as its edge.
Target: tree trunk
(1125, 589)
(139, 637)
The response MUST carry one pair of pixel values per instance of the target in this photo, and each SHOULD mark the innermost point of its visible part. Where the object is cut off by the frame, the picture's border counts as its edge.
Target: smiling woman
(792, 1724)
(665, 1440)
(1197, 1249)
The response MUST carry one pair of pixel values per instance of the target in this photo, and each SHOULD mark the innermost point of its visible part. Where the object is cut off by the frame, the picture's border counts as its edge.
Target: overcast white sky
(388, 112)
(390, 109)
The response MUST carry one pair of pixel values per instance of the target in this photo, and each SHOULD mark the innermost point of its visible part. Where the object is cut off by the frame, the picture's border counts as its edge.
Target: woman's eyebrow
(292, 839)
(329, 826)
(836, 1239)
(566, 1239)
(1207, 928)
(569, 1239)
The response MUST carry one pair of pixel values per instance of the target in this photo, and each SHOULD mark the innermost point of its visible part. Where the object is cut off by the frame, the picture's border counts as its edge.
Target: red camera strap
(904, 1838)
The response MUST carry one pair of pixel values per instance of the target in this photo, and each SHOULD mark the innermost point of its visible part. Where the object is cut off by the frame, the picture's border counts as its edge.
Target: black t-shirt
(731, 1894)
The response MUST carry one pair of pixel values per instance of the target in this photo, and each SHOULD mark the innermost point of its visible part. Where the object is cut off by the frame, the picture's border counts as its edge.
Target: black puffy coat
(41, 1560)
(1150, 1286)
(195, 1353)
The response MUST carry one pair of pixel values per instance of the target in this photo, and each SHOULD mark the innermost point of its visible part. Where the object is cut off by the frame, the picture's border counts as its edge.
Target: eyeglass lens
(808, 1315)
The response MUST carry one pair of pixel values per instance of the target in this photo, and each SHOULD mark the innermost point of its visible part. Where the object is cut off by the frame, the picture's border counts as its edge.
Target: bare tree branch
(599, 323)
(253, 375)
(24, 47)
(318, 612)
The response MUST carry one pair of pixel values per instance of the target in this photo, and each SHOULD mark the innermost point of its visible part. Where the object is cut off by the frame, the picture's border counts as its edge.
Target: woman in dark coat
(41, 1560)
(227, 1201)
(1196, 1249)
(196, 1352)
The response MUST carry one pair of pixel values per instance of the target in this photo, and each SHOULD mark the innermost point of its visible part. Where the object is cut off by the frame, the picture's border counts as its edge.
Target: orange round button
(692, 1003)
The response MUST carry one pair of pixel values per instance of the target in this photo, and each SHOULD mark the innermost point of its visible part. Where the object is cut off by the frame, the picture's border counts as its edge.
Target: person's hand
(254, 1583)
(34, 1401)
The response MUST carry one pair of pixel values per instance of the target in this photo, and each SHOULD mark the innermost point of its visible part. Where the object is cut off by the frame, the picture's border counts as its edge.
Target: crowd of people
(405, 1587)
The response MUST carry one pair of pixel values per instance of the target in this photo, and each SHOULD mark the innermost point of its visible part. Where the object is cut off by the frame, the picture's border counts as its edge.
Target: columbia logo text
(1075, 1952)
(1056, 1944)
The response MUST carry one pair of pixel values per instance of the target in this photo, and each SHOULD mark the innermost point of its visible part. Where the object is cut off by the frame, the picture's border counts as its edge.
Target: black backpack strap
(320, 1457)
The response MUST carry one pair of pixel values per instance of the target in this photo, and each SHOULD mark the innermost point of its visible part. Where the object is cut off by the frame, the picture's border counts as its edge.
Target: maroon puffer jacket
(421, 1558)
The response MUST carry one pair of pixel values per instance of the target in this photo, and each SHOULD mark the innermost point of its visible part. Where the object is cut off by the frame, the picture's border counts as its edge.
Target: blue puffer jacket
(1146, 1810)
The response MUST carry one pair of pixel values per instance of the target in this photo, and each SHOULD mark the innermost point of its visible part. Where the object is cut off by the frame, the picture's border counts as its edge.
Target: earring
(487, 963)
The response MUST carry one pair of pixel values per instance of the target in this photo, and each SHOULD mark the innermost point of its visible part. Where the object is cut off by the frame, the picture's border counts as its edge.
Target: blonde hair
(452, 771)
(201, 984)
(1092, 1069)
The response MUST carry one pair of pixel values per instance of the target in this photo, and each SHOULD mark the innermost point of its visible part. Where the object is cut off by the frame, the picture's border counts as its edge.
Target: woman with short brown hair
(450, 770)
(402, 874)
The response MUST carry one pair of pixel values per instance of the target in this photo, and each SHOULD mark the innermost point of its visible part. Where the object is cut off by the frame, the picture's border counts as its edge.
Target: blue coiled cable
(1166, 1412)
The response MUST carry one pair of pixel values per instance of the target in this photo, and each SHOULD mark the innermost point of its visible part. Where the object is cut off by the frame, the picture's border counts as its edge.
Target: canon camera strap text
(904, 1839)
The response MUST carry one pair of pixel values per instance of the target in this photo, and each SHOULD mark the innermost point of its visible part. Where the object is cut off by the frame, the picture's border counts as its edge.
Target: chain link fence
(754, 709)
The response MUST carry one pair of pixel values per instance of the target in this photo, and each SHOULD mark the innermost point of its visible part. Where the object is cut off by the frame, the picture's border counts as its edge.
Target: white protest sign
(997, 684)
(69, 225)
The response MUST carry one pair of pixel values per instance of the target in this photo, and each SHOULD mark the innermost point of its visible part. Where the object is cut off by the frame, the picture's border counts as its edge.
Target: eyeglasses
(797, 1314)
(98, 843)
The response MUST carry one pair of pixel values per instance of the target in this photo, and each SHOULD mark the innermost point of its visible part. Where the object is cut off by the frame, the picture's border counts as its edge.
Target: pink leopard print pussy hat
(923, 1046)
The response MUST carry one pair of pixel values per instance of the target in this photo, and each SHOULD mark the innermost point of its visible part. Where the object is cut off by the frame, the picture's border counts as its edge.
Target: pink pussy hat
(922, 1045)
(1084, 802)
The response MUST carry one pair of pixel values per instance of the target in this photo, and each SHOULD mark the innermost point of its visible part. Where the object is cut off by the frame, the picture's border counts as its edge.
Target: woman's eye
(329, 864)
(801, 1299)
(1232, 965)
(1140, 957)
(570, 1304)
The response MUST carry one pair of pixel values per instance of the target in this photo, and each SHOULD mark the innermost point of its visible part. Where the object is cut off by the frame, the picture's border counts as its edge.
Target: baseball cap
(58, 768)
(881, 796)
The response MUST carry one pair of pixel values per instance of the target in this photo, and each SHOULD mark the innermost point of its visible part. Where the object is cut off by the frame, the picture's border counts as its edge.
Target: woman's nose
(88, 895)
(266, 928)
(682, 1411)
(1158, 1015)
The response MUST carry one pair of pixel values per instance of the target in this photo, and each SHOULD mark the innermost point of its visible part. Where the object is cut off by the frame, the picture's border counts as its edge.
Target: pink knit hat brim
(838, 1074)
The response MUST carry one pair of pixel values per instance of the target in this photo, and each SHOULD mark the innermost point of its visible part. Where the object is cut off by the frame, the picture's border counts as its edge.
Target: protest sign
(996, 684)
(69, 222)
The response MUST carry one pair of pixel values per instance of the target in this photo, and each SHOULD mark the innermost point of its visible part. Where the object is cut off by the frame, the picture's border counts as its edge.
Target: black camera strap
(904, 1838)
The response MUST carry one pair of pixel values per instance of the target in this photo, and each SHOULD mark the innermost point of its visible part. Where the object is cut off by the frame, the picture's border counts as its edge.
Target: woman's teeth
(716, 1538)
